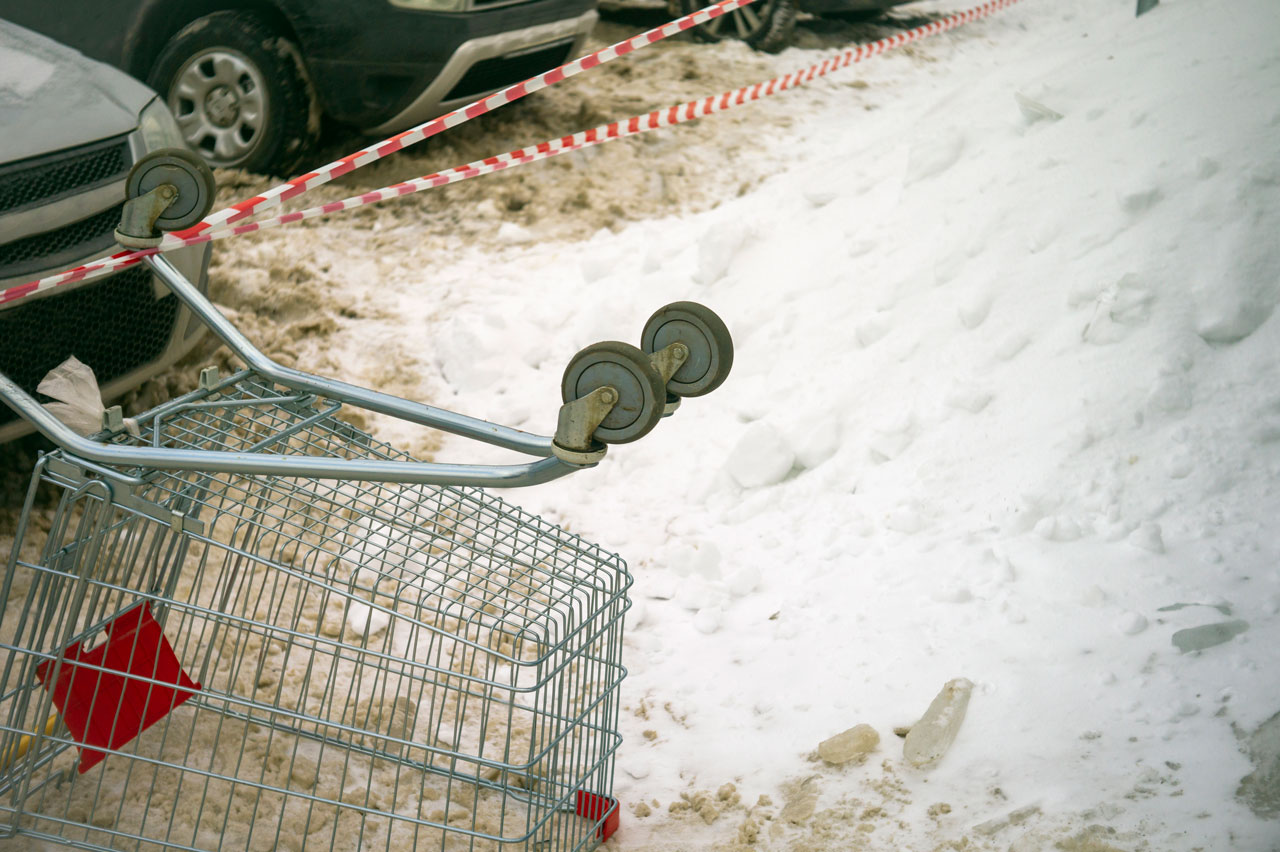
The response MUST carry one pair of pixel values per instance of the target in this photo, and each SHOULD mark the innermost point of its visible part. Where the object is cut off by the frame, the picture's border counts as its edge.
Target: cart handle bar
(545, 469)
(382, 403)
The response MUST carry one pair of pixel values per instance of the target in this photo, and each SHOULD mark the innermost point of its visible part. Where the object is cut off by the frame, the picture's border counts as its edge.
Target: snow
(1004, 389)
(1004, 408)
(21, 73)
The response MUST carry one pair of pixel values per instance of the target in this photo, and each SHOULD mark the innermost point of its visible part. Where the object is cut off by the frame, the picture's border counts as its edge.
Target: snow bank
(1005, 392)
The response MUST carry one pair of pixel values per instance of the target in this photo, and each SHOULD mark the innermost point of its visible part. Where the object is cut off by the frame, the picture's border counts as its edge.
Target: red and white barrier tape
(573, 142)
(616, 130)
(274, 197)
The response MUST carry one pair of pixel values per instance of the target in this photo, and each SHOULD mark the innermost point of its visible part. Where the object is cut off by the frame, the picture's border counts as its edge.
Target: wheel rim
(187, 173)
(219, 98)
(628, 371)
(704, 334)
(740, 23)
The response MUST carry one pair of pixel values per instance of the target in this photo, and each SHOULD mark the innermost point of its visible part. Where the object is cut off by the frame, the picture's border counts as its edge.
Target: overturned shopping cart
(255, 626)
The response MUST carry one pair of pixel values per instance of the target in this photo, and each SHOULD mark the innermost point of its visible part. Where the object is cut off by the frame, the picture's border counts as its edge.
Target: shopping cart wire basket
(255, 626)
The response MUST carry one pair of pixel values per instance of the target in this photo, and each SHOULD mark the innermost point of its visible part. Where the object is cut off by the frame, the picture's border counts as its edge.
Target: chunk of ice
(931, 737)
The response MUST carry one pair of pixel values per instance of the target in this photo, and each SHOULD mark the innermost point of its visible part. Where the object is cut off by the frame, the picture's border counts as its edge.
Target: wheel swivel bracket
(666, 361)
(138, 219)
(574, 442)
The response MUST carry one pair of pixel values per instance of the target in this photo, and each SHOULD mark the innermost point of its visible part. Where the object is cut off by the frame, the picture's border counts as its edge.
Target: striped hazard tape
(657, 119)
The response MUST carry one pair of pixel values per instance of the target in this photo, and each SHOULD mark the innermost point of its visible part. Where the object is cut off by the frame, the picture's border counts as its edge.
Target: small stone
(853, 744)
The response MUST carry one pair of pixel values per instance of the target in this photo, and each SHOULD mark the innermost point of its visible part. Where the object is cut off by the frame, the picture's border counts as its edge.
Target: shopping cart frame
(548, 467)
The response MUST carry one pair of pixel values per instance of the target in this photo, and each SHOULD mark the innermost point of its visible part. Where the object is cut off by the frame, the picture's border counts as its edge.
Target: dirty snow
(1004, 407)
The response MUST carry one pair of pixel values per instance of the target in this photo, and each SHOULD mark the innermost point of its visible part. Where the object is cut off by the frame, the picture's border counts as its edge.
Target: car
(249, 80)
(73, 129)
(765, 24)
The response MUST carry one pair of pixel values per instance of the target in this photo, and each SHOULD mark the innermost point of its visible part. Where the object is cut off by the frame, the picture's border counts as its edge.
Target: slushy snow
(1005, 406)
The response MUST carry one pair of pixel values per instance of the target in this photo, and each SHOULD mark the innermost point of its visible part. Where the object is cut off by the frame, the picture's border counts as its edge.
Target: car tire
(857, 16)
(240, 93)
(765, 25)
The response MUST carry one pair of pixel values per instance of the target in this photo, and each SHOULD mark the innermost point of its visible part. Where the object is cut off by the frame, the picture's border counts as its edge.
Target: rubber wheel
(764, 25)
(707, 337)
(239, 93)
(185, 171)
(625, 368)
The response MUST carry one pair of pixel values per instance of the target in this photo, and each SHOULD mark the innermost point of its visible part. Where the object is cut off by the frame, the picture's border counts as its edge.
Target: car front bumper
(504, 53)
(413, 66)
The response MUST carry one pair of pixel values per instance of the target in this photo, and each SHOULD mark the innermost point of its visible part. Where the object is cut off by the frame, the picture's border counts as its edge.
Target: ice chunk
(872, 329)
(974, 308)
(760, 458)
(801, 800)
(1131, 623)
(696, 558)
(1149, 537)
(743, 581)
(968, 398)
(512, 234)
(1033, 111)
(1208, 635)
(717, 250)
(819, 194)
(1058, 528)
(708, 620)
(1011, 346)
(994, 826)
(929, 739)
(933, 155)
(853, 744)
(364, 620)
(696, 594)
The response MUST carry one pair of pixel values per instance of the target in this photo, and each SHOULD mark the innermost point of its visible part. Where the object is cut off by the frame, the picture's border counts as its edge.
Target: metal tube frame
(547, 468)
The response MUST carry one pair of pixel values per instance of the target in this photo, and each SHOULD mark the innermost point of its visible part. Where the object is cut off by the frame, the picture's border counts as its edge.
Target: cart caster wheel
(627, 370)
(705, 335)
(184, 171)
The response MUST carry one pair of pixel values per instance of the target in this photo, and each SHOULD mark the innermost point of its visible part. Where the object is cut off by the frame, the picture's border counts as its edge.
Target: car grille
(490, 74)
(61, 246)
(115, 325)
(44, 179)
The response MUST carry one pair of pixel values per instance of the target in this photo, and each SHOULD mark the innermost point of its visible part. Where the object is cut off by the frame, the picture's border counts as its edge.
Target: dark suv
(249, 79)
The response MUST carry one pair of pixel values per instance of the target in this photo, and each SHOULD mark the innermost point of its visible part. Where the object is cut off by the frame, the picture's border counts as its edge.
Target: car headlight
(159, 129)
(432, 5)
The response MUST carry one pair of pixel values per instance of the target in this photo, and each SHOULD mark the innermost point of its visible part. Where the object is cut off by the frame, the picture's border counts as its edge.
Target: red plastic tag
(109, 708)
(593, 806)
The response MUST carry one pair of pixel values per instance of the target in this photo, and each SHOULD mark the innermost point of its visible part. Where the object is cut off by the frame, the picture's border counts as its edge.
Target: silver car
(72, 130)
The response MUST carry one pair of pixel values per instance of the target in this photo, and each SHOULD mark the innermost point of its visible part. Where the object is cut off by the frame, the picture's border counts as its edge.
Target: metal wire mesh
(378, 666)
